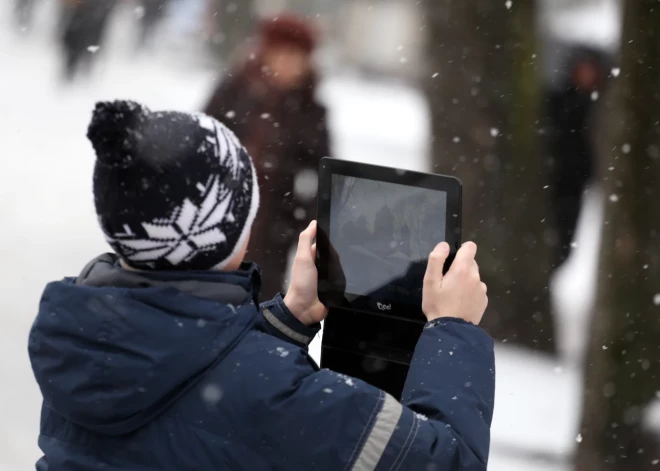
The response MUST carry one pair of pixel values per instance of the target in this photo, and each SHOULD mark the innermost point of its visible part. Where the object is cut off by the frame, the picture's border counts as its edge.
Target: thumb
(437, 259)
(306, 241)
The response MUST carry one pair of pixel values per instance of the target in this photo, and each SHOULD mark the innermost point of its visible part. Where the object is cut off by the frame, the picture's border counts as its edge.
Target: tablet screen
(383, 234)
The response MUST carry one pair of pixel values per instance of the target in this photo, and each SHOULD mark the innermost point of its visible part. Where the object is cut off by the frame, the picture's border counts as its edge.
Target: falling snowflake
(616, 71)
(614, 198)
(349, 382)
(435, 75)
(211, 394)
(422, 417)
(494, 132)
(283, 352)
(306, 184)
(578, 438)
(327, 391)
(265, 116)
(93, 49)
(656, 299)
(508, 4)
(594, 95)
(230, 114)
(456, 140)
(626, 148)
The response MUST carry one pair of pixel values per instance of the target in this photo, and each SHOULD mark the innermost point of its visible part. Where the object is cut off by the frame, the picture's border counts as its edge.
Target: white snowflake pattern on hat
(191, 229)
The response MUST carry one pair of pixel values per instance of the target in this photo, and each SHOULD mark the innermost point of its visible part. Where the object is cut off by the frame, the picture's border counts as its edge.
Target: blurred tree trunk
(234, 21)
(483, 87)
(624, 356)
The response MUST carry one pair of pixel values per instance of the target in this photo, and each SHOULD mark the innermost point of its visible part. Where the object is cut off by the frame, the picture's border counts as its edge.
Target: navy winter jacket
(183, 371)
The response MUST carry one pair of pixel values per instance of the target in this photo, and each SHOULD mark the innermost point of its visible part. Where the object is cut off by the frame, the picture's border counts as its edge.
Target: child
(157, 357)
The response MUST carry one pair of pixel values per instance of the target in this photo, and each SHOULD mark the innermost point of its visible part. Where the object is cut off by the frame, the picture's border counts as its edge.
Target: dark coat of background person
(569, 137)
(286, 135)
(154, 370)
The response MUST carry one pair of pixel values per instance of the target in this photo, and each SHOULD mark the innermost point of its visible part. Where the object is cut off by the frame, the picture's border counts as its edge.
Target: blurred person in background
(24, 12)
(153, 12)
(570, 145)
(83, 26)
(269, 102)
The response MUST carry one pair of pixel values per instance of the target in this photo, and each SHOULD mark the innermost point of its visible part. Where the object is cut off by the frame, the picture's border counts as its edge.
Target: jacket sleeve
(451, 386)
(332, 421)
(278, 321)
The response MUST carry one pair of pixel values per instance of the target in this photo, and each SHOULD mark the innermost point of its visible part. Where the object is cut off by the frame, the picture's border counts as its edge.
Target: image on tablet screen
(384, 233)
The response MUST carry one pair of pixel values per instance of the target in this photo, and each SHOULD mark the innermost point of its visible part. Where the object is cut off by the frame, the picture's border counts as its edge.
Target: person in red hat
(269, 102)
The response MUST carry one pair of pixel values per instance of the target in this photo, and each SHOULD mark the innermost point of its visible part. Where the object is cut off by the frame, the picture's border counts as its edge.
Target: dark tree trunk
(622, 365)
(484, 91)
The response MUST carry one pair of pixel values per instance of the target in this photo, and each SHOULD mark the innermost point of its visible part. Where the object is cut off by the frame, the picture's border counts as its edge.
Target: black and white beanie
(173, 191)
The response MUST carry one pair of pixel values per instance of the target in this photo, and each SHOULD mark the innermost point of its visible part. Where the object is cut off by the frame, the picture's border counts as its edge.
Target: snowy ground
(49, 230)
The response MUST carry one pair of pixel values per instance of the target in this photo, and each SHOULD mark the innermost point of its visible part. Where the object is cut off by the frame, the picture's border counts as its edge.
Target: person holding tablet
(158, 355)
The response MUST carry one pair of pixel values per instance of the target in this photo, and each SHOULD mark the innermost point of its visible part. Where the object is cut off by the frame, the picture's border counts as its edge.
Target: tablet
(376, 229)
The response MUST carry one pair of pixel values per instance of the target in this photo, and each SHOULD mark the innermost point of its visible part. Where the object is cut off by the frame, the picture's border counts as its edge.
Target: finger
(465, 255)
(314, 251)
(475, 268)
(305, 242)
(437, 259)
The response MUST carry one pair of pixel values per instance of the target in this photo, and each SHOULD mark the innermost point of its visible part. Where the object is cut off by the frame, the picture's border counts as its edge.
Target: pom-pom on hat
(288, 29)
(173, 191)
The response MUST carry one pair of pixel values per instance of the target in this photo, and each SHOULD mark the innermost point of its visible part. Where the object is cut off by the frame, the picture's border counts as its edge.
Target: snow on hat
(173, 191)
(288, 29)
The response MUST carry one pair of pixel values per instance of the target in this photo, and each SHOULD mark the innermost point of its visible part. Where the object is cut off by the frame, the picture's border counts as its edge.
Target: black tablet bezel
(331, 294)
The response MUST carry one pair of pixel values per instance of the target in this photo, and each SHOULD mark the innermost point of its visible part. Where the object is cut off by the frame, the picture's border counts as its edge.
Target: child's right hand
(302, 299)
(459, 293)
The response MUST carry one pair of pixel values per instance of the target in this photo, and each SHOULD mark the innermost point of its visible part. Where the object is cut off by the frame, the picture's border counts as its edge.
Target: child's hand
(302, 299)
(459, 293)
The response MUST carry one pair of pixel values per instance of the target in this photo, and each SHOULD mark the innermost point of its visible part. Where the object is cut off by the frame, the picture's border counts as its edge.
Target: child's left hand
(302, 299)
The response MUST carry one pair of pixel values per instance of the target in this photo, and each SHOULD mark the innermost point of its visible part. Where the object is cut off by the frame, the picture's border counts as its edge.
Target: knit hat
(173, 191)
(288, 29)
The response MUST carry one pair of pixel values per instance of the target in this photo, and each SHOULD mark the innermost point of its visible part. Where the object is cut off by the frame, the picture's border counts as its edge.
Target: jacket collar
(235, 287)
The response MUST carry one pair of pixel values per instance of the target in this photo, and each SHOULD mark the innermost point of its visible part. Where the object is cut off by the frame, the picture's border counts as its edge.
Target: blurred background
(548, 110)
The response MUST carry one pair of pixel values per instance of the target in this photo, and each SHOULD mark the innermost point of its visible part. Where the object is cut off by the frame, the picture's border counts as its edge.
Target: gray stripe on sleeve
(286, 330)
(386, 422)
